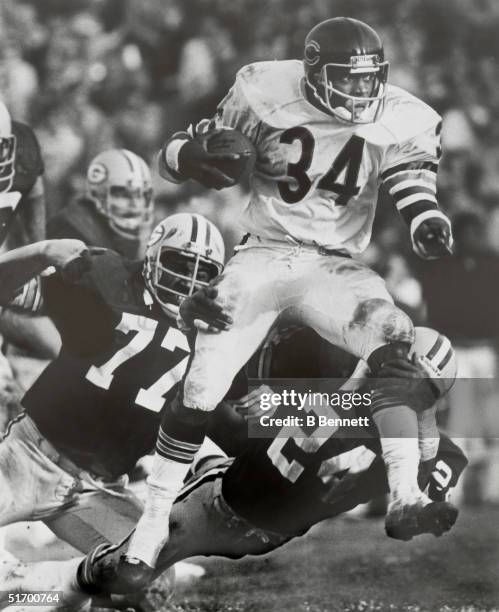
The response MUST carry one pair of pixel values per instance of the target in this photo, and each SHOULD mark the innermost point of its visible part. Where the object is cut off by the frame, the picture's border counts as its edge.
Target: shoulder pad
(404, 118)
(28, 161)
(269, 87)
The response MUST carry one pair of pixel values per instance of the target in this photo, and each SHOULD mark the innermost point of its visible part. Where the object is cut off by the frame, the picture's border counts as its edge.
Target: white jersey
(316, 179)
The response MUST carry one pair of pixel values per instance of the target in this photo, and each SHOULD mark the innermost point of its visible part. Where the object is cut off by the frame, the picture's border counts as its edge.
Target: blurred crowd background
(91, 74)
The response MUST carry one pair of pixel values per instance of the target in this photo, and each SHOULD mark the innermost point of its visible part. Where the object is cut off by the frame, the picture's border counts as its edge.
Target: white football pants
(340, 298)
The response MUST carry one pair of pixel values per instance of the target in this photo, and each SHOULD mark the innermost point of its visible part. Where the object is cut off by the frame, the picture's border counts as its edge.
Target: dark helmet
(343, 47)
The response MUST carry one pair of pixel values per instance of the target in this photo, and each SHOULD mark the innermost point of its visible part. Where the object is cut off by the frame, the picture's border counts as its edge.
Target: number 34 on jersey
(341, 178)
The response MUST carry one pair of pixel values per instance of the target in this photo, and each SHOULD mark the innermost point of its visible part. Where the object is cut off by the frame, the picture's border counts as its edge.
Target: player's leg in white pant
(348, 305)
(249, 290)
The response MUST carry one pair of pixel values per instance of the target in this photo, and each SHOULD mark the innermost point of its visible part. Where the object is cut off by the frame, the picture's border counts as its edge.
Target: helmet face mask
(348, 50)
(185, 252)
(128, 209)
(178, 274)
(347, 107)
(119, 184)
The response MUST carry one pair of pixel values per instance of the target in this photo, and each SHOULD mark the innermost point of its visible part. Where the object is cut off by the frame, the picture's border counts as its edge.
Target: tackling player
(328, 131)
(22, 200)
(116, 211)
(95, 410)
(276, 488)
(22, 221)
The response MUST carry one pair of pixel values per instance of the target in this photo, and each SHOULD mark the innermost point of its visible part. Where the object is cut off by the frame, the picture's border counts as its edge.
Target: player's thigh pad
(98, 517)
(246, 290)
(32, 485)
(348, 305)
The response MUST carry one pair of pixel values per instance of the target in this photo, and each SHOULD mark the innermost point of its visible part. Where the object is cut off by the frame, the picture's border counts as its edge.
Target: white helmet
(185, 252)
(436, 356)
(7, 150)
(119, 184)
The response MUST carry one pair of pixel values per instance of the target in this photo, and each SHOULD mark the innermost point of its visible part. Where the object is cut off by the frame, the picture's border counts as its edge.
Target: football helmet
(345, 47)
(119, 184)
(434, 353)
(7, 150)
(185, 252)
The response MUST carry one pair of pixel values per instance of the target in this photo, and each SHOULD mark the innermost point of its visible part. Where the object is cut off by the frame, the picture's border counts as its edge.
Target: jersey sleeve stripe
(168, 158)
(411, 212)
(400, 183)
(29, 297)
(415, 165)
(400, 178)
(414, 189)
(427, 214)
(414, 198)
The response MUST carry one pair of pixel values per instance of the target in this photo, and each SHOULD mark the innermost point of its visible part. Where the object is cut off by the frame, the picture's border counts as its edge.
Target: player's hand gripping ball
(218, 158)
(240, 152)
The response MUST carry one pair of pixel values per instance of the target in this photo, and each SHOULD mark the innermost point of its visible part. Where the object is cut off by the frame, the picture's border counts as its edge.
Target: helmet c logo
(97, 173)
(312, 53)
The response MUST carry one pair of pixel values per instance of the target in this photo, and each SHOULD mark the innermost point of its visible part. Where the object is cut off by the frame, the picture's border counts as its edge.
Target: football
(232, 141)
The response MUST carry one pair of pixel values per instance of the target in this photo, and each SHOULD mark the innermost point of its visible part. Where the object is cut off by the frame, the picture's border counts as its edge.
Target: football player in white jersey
(328, 131)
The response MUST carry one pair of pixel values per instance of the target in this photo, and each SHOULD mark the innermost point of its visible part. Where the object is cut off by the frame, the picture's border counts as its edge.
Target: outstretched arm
(19, 266)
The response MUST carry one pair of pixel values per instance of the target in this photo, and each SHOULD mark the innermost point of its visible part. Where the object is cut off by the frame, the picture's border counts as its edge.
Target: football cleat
(132, 575)
(403, 522)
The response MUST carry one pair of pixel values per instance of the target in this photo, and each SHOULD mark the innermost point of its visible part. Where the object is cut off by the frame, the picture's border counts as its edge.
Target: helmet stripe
(445, 360)
(208, 235)
(126, 156)
(435, 348)
(194, 231)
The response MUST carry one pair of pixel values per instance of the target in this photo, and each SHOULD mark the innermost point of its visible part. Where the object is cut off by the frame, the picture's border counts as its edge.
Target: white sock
(400, 453)
(163, 485)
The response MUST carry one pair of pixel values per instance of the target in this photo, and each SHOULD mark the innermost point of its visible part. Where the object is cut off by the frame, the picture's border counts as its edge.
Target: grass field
(350, 565)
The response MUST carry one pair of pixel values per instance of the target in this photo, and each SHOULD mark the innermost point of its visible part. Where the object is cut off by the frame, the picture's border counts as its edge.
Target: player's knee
(205, 387)
(389, 323)
(192, 417)
(387, 327)
(393, 329)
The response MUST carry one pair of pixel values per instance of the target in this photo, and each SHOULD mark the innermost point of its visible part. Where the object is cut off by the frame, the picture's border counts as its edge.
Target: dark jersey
(28, 167)
(289, 482)
(100, 401)
(80, 220)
